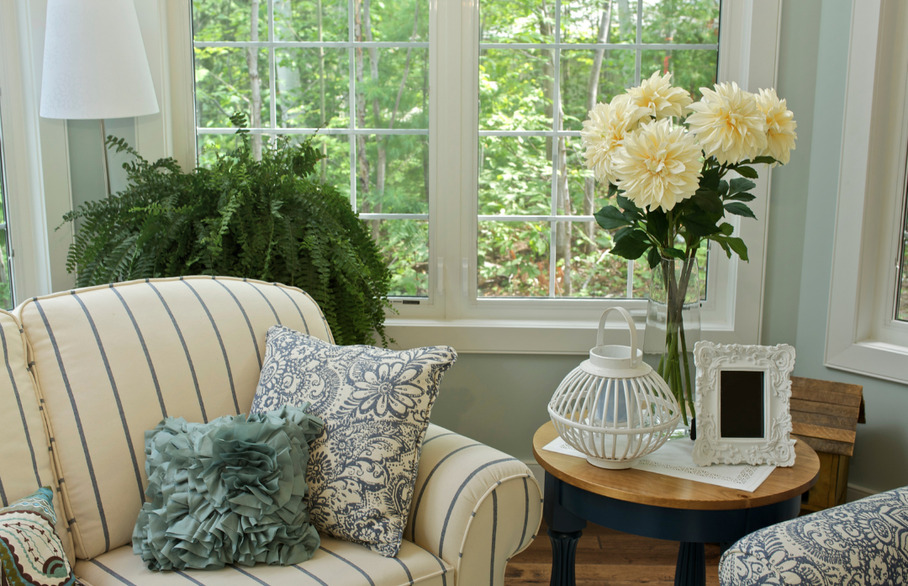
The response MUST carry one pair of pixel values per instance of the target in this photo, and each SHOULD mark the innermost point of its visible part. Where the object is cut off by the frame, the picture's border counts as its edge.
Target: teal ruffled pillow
(230, 491)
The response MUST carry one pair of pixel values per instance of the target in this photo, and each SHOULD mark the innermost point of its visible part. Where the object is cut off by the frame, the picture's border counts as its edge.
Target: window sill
(872, 358)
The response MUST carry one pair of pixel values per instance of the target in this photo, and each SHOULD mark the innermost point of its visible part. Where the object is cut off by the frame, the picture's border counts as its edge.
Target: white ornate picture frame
(742, 403)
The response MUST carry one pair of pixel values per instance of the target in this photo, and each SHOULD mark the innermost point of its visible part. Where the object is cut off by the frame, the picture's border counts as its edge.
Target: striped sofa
(87, 372)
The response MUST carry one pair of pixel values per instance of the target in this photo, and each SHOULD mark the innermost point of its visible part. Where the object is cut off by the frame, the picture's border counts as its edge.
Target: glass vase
(673, 326)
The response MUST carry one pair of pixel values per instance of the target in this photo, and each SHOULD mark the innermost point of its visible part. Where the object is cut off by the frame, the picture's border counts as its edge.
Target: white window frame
(452, 314)
(36, 157)
(863, 335)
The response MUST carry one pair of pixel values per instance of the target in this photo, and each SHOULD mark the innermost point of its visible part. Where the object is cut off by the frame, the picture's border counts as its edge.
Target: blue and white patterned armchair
(863, 542)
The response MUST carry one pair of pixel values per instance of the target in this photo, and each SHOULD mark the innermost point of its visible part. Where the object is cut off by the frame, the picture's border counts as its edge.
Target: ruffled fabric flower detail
(659, 97)
(231, 491)
(658, 166)
(728, 123)
(604, 132)
(780, 126)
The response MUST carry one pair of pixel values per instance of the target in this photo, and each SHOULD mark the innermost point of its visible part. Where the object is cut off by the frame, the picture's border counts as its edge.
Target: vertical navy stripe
(151, 368)
(245, 573)
(78, 420)
(494, 534)
(217, 333)
(526, 511)
(429, 477)
(311, 575)
(116, 394)
(255, 342)
(257, 289)
(173, 320)
(349, 563)
(28, 437)
(112, 573)
(296, 305)
(406, 569)
(463, 485)
(188, 577)
(3, 500)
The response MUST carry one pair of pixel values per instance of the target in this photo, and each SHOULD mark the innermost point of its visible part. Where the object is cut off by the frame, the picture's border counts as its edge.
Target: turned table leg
(691, 568)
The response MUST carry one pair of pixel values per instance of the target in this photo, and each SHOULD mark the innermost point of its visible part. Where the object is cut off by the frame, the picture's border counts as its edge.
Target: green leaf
(699, 226)
(657, 225)
(631, 245)
(726, 229)
(740, 209)
(764, 160)
(748, 172)
(740, 185)
(709, 202)
(653, 257)
(612, 190)
(741, 197)
(673, 253)
(610, 218)
(739, 247)
(629, 206)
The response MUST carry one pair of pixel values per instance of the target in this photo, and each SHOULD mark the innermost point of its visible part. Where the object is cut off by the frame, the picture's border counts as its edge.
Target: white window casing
(863, 335)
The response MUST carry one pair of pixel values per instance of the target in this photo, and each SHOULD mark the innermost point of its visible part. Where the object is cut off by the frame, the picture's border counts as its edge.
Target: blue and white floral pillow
(375, 404)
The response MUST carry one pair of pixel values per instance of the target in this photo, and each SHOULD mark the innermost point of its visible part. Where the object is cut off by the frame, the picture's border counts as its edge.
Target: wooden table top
(650, 488)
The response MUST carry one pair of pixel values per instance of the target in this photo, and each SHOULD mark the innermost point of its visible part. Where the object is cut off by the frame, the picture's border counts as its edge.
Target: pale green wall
(501, 399)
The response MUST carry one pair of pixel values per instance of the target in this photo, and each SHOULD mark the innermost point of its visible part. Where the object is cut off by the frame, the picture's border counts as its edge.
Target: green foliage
(268, 219)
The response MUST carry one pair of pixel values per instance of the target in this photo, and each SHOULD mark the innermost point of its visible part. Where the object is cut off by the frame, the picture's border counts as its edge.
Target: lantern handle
(600, 335)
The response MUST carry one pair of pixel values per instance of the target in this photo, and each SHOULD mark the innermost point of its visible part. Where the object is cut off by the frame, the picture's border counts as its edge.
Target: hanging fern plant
(268, 219)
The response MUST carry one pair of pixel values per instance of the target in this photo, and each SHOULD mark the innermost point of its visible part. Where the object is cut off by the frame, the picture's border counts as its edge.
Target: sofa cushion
(111, 362)
(31, 553)
(375, 403)
(335, 562)
(861, 542)
(230, 491)
(26, 461)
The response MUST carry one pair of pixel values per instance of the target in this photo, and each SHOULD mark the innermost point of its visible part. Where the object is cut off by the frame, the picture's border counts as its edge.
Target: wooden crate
(825, 414)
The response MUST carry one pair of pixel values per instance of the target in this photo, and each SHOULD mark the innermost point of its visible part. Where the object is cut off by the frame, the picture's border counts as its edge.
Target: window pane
(312, 88)
(902, 301)
(400, 20)
(586, 269)
(6, 273)
(598, 22)
(513, 259)
(515, 90)
(681, 21)
(406, 246)
(228, 20)
(392, 88)
(310, 20)
(514, 176)
(691, 69)
(589, 76)
(392, 179)
(224, 85)
(515, 21)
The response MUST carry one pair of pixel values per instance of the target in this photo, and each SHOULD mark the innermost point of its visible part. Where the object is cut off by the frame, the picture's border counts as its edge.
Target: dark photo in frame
(742, 404)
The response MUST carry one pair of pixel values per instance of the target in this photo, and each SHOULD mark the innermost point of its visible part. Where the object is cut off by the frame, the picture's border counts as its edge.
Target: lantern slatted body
(613, 407)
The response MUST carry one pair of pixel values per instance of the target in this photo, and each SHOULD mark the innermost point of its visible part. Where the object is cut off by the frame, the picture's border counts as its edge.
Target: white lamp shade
(94, 62)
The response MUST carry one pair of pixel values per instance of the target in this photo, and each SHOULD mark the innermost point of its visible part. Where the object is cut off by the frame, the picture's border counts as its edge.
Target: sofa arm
(862, 542)
(473, 506)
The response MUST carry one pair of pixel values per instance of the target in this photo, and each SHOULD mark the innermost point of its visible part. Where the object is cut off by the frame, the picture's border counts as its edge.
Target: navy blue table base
(567, 509)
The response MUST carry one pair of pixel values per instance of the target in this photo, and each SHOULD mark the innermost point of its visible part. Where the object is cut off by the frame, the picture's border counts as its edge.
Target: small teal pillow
(31, 553)
(230, 491)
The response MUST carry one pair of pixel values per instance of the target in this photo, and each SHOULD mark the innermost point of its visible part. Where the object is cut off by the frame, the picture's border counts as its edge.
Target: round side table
(659, 506)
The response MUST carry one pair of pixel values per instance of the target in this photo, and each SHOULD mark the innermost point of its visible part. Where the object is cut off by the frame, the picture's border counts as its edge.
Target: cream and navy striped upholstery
(473, 505)
(334, 564)
(112, 361)
(25, 461)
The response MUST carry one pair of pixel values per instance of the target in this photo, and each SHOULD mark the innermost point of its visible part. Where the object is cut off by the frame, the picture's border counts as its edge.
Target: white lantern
(613, 407)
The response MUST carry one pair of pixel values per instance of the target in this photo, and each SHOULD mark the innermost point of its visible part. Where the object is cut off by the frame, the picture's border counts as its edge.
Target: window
(6, 277)
(454, 129)
(867, 331)
(901, 294)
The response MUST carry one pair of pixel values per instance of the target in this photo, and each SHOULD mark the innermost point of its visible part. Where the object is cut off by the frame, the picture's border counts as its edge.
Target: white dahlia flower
(780, 126)
(659, 165)
(657, 95)
(728, 123)
(603, 133)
